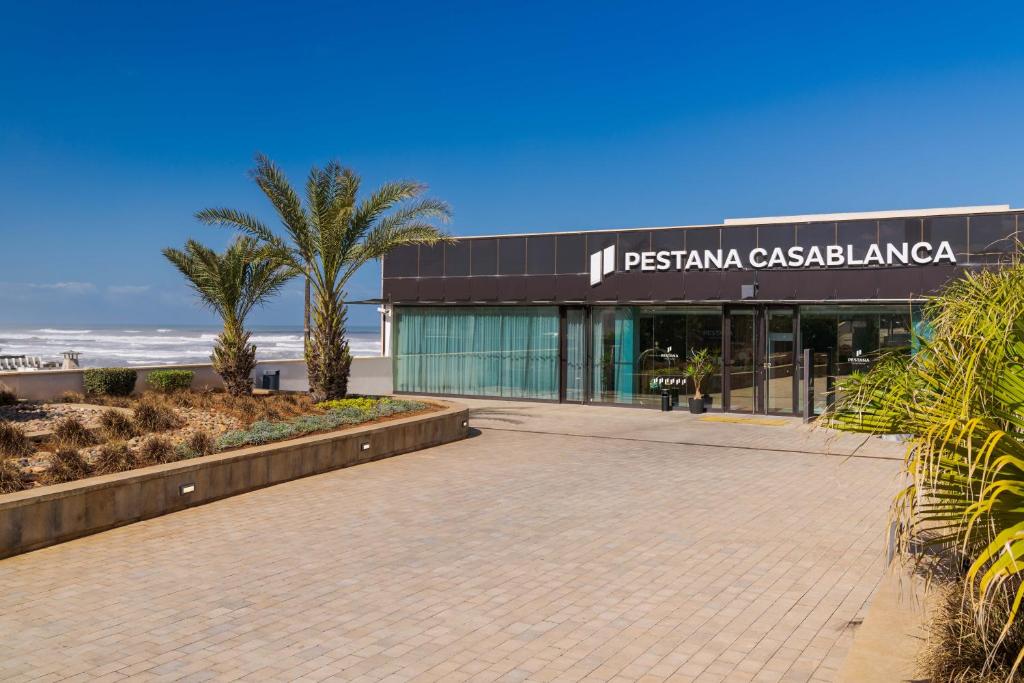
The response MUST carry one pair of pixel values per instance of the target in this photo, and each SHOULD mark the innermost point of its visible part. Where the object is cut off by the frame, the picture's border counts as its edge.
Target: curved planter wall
(54, 514)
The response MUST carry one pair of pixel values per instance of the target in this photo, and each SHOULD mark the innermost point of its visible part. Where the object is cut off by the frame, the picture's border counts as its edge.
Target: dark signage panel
(891, 259)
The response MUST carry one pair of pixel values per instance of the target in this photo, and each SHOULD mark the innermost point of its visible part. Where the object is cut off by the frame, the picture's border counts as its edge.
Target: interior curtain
(575, 354)
(625, 353)
(478, 351)
(597, 361)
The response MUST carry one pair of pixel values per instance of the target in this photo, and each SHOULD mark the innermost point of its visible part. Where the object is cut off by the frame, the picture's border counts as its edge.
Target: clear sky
(119, 120)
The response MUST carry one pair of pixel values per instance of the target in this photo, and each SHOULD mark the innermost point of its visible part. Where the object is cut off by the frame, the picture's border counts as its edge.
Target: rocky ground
(39, 417)
(215, 415)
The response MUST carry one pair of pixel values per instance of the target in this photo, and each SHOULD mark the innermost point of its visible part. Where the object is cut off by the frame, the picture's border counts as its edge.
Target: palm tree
(960, 399)
(327, 240)
(232, 283)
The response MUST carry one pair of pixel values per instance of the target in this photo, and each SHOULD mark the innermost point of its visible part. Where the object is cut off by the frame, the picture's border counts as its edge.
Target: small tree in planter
(699, 368)
(232, 283)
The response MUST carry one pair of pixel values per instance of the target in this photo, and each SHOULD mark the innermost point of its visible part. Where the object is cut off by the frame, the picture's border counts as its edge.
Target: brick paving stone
(562, 543)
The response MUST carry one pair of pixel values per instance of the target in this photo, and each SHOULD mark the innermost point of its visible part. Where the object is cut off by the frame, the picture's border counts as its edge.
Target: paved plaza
(559, 543)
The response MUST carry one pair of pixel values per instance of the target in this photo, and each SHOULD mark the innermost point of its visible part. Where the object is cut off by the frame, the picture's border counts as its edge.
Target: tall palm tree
(327, 240)
(232, 283)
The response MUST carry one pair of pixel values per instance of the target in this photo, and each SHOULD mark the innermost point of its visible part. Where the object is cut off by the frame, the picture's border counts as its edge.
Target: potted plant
(700, 365)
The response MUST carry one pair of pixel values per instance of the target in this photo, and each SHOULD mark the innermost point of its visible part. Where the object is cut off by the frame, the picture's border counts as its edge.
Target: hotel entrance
(760, 370)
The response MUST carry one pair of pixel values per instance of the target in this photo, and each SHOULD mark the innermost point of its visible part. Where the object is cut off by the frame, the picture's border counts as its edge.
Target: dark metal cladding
(548, 268)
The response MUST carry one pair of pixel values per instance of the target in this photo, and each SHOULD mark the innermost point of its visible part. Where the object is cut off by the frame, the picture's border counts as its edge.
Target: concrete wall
(370, 375)
(53, 514)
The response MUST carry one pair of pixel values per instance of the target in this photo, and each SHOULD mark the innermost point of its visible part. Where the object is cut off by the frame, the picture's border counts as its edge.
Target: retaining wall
(53, 514)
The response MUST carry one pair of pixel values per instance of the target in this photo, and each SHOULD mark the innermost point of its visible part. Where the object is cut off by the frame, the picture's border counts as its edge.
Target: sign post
(808, 373)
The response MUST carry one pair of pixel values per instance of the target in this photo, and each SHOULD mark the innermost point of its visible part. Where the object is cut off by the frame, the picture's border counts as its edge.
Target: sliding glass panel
(741, 368)
(477, 351)
(779, 368)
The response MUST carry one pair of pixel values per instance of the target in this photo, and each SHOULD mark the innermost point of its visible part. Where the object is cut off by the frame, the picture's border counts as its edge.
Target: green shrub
(109, 381)
(72, 432)
(351, 414)
(14, 443)
(116, 425)
(10, 477)
(7, 396)
(169, 381)
(150, 416)
(115, 457)
(67, 464)
(361, 403)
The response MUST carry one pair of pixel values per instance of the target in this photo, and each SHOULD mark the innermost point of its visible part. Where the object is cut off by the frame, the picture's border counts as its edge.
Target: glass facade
(639, 350)
(845, 339)
(627, 355)
(509, 352)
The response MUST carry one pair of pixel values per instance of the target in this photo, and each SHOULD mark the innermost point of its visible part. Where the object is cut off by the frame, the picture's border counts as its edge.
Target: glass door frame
(760, 343)
(764, 366)
(729, 314)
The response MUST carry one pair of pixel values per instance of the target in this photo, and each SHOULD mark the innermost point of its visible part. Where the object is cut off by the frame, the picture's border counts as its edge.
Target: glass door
(780, 369)
(739, 365)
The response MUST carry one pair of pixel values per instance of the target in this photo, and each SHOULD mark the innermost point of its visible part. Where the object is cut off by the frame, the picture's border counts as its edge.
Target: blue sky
(119, 121)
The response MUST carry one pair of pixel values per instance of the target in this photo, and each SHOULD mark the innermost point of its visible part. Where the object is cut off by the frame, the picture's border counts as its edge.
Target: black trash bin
(272, 380)
(666, 400)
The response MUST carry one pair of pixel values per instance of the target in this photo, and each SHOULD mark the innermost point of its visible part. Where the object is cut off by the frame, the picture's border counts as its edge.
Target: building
(610, 316)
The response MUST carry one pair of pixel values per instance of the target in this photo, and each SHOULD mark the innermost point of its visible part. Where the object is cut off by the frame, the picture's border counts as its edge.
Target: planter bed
(46, 515)
(180, 426)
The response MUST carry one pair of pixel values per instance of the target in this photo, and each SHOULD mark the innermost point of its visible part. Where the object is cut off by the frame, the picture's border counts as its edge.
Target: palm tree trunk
(305, 317)
(328, 360)
(234, 359)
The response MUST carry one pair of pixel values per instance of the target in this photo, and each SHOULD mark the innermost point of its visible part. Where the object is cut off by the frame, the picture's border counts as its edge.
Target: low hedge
(109, 381)
(168, 381)
(265, 432)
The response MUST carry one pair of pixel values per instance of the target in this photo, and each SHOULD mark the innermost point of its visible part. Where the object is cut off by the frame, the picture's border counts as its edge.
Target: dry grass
(959, 650)
(115, 456)
(10, 477)
(157, 450)
(151, 415)
(7, 396)
(72, 397)
(200, 443)
(67, 464)
(201, 400)
(71, 432)
(14, 443)
(115, 425)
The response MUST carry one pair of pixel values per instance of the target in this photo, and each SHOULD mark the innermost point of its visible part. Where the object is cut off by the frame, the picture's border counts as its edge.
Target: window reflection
(859, 235)
(992, 237)
(952, 229)
(848, 339)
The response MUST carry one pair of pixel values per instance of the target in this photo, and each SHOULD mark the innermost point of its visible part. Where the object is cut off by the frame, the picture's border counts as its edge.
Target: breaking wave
(125, 346)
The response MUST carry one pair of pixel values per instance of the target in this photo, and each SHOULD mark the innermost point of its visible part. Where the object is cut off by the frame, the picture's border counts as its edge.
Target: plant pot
(696, 406)
(707, 400)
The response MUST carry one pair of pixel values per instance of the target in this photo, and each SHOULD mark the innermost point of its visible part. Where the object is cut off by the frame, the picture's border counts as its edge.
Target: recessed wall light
(186, 488)
(364, 446)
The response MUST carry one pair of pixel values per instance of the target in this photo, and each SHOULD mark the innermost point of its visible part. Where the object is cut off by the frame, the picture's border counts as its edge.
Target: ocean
(129, 345)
